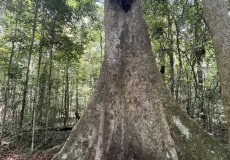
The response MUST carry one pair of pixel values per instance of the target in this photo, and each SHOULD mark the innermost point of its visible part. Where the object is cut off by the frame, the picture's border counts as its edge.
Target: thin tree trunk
(193, 73)
(170, 52)
(4, 115)
(179, 70)
(62, 102)
(162, 60)
(33, 129)
(50, 77)
(39, 88)
(101, 45)
(199, 56)
(36, 99)
(28, 70)
(13, 104)
(202, 110)
(66, 102)
(189, 96)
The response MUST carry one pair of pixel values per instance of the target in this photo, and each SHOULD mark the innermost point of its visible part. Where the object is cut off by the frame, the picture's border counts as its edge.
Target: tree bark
(50, 85)
(216, 13)
(132, 112)
(28, 69)
(171, 55)
(180, 67)
(66, 100)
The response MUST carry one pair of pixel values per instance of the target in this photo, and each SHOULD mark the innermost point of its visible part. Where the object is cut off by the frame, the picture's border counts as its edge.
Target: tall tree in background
(132, 114)
(9, 72)
(217, 14)
(36, 41)
(28, 65)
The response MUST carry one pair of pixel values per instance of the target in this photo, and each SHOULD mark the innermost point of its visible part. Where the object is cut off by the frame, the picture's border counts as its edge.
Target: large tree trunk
(218, 20)
(126, 118)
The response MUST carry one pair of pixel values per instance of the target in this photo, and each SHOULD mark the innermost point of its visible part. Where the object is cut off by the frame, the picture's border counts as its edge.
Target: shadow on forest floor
(12, 149)
(19, 149)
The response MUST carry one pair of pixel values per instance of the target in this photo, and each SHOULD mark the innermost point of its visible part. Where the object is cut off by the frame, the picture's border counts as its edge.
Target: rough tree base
(132, 115)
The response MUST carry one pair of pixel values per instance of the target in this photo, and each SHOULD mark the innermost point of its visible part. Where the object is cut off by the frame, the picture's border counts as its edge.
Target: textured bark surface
(125, 119)
(218, 20)
(132, 115)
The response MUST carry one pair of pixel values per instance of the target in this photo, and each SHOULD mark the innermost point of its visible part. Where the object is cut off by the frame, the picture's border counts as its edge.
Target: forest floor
(12, 149)
(16, 154)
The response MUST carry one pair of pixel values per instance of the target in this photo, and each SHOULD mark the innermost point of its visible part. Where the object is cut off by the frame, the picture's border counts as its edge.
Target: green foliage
(73, 31)
(58, 9)
(190, 45)
(68, 50)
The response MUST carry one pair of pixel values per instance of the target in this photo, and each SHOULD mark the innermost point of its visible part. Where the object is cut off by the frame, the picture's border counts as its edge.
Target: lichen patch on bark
(183, 129)
(64, 156)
